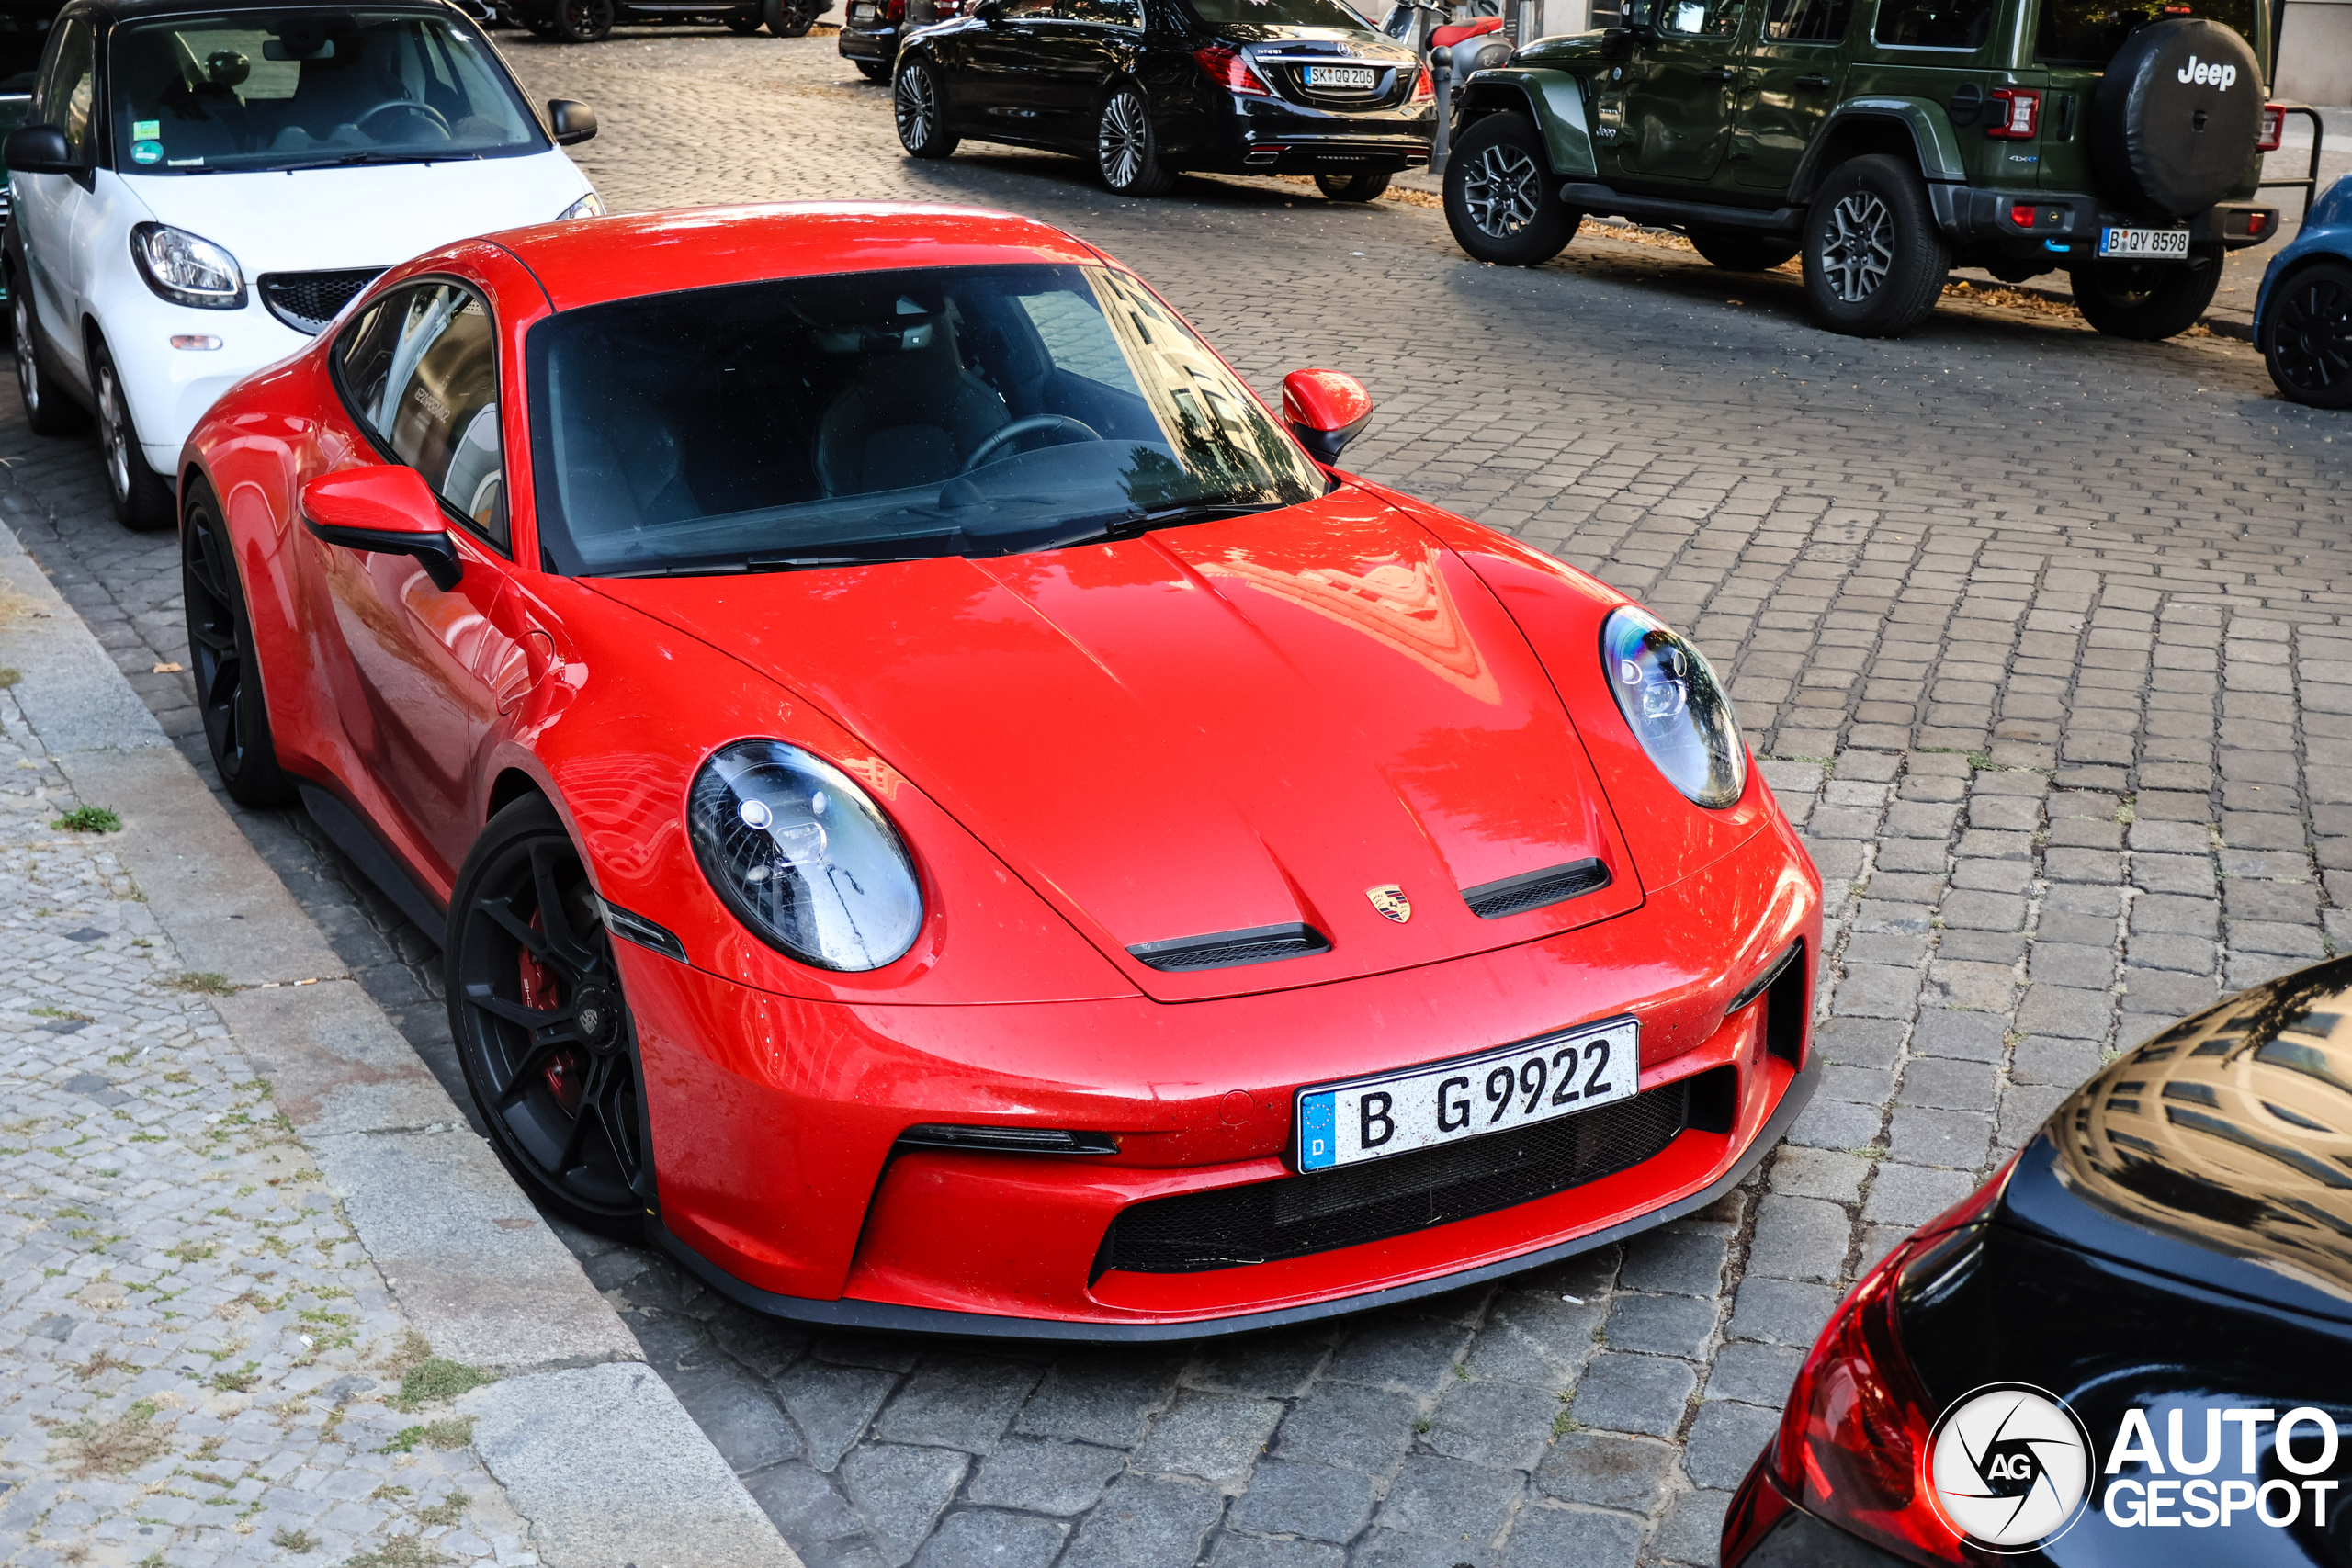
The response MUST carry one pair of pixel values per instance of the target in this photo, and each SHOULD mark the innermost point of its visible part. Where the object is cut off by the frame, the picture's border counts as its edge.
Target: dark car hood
(1228, 725)
(2219, 1152)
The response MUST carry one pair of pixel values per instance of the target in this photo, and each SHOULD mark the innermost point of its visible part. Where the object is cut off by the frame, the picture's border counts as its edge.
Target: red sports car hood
(1231, 726)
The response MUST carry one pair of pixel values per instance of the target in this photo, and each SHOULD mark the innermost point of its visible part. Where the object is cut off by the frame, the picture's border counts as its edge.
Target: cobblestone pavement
(203, 1364)
(2044, 634)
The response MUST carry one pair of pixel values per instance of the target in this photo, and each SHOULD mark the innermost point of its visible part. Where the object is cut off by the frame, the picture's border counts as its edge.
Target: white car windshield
(886, 415)
(313, 88)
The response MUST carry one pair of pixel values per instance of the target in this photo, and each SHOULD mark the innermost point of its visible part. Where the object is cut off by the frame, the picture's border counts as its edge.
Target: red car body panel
(1232, 723)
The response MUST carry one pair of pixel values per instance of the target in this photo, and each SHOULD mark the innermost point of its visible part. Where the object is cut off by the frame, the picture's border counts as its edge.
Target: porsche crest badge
(1390, 900)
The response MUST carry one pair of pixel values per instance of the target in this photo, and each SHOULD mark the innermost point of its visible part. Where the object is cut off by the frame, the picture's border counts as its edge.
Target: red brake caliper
(567, 1071)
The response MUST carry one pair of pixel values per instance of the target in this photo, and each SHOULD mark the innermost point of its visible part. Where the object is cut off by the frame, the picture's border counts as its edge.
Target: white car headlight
(589, 205)
(186, 270)
(803, 856)
(1675, 708)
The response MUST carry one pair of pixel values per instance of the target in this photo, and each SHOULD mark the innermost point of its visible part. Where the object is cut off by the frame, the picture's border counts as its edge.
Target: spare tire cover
(2173, 123)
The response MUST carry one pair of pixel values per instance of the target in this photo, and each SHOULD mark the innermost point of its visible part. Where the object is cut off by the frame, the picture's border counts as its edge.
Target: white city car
(199, 188)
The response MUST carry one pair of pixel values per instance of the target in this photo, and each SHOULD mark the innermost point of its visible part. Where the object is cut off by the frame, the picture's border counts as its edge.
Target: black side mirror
(573, 122)
(38, 150)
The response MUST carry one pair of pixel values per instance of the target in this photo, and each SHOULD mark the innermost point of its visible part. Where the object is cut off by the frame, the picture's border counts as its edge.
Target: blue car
(2302, 319)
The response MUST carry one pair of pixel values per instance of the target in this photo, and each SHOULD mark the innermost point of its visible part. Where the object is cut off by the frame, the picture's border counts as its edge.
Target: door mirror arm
(384, 510)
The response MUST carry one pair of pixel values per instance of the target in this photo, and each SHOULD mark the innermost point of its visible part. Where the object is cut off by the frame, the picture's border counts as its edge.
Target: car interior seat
(910, 414)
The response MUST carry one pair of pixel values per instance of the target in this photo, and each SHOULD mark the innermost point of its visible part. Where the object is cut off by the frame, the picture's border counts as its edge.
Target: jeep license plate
(1340, 76)
(862, 13)
(1445, 1102)
(2159, 244)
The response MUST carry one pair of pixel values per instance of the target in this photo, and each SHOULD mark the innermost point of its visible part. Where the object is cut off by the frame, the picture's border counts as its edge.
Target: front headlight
(1676, 709)
(589, 205)
(803, 856)
(187, 270)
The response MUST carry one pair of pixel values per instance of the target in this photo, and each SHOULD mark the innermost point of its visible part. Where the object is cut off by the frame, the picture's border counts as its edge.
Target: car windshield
(882, 416)
(298, 89)
(1278, 14)
(2089, 32)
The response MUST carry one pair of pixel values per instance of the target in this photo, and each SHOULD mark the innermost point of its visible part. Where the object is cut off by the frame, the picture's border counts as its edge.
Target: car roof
(593, 260)
(128, 10)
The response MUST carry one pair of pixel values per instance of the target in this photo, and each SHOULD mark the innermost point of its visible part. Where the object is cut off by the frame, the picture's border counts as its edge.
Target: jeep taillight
(894, 12)
(1852, 1447)
(2274, 129)
(2017, 113)
(1228, 69)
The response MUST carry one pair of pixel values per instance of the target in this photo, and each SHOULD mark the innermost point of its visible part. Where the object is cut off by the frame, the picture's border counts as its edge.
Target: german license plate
(1445, 1102)
(2155, 243)
(1340, 76)
(862, 13)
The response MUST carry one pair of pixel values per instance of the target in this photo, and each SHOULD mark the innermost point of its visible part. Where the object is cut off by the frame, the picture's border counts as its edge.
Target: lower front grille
(306, 301)
(1298, 1216)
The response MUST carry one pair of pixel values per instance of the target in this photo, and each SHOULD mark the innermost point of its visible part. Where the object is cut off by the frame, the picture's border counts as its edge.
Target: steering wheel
(1021, 427)
(401, 105)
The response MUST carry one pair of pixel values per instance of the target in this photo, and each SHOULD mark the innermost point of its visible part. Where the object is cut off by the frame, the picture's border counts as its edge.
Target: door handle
(1813, 80)
(1720, 73)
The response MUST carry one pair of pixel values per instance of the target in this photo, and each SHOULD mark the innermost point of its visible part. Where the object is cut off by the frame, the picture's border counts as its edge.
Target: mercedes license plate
(1445, 1102)
(1340, 76)
(2158, 243)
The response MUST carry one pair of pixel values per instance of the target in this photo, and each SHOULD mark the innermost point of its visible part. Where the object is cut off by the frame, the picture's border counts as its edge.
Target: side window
(1808, 21)
(69, 91)
(421, 368)
(1106, 13)
(1936, 24)
(1701, 18)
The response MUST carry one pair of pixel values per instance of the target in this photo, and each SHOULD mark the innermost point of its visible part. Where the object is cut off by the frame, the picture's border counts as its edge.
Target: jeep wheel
(875, 70)
(1501, 199)
(2307, 336)
(1737, 250)
(1874, 261)
(2147, 300)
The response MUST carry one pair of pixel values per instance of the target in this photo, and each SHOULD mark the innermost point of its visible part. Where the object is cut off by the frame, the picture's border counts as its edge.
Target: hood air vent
(1230, 949)
(1517, 894)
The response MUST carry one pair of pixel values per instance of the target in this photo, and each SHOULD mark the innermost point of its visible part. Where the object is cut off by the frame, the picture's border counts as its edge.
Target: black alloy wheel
(220, 657)
(915, 102)
(1351, 187)
(143, 498)
(1874, 260)
(48, 410)
(2307, 336)
(2147, 301)
(1501, 199)
(543, 1031)
(583, 21)
(790, 18)
(1126, 147)
(1737, 250)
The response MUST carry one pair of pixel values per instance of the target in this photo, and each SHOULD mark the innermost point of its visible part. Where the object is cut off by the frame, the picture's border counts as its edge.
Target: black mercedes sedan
(1147, 89)
(2132, 1347)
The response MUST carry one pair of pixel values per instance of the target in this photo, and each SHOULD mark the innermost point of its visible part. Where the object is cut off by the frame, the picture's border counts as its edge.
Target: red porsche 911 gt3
(947, 813)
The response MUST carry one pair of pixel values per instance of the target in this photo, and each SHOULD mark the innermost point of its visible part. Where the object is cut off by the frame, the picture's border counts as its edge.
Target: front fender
(1554, 99)
(1930, 128)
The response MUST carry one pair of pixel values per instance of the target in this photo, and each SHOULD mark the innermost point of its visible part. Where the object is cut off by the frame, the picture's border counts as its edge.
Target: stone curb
(592, 1448)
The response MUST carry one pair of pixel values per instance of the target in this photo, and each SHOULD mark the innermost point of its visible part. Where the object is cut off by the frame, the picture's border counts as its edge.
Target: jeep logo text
(2205, 74)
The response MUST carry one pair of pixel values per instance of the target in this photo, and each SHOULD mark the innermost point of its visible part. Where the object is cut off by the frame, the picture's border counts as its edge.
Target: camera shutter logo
(2010, 1466)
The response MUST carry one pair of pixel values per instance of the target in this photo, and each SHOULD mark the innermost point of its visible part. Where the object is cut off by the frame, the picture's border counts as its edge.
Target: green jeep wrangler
(1888, 142)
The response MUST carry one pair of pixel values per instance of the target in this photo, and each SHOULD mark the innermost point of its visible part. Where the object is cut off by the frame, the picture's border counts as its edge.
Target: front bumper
(775, 1122)
(2052, 225)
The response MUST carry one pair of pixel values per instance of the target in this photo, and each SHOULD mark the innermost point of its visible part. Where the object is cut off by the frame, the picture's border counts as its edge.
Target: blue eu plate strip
(1317, 1147)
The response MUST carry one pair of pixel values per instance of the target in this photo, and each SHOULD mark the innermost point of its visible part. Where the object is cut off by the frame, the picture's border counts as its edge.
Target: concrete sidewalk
(267, 1299)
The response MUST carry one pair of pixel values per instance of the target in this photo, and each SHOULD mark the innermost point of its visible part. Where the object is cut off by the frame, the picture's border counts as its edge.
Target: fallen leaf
(169, 669)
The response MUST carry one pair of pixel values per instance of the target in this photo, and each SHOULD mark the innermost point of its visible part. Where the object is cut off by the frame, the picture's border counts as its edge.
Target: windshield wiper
(1139, 523)
(356, 160)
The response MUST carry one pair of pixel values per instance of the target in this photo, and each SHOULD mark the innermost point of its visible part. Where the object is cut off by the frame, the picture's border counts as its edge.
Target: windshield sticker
(147, 151)
(184, 163)
(146, 130)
